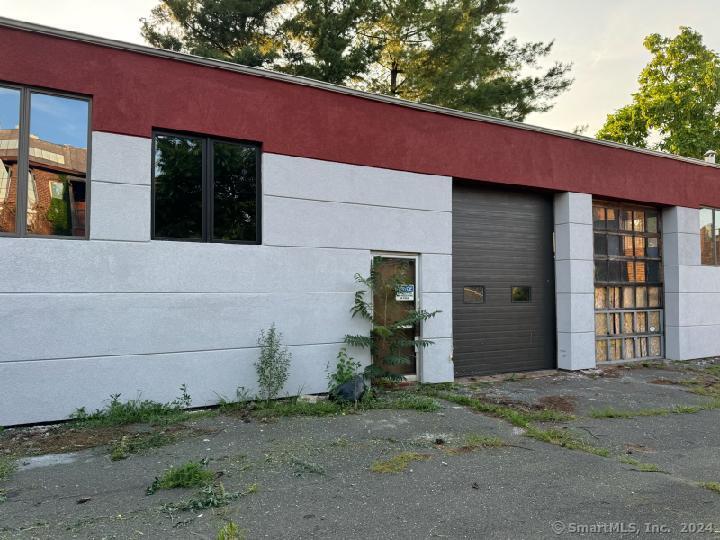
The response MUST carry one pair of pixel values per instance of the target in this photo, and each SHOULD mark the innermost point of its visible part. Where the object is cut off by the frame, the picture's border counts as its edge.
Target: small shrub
(273, 365)
(210, 496)
(345, 369)
(190, 474)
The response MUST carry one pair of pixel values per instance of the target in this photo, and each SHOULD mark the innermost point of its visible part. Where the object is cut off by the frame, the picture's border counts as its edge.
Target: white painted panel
(573, 208)
(694, 341)
(576, 350)
(695, 279)
(73, 325)
(436, 273)
(695, 309)
(574, 276)
(437, 364)
(294, 222)
(681, 219)
(50, 390)
(574, 241)
(441, 324)
(121, 158)
(120, 212)
(51, 265)
(328, 181)
(681, 249)
(575, 312)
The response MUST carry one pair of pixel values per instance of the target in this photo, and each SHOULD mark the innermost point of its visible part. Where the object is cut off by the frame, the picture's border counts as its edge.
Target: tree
(321, 40)
(447, 52)
(453, 53)
(238, 31)
(677, 106)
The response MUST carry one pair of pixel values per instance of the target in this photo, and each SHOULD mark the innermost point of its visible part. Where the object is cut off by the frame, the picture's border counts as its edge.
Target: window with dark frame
(205, 189)
(628, 281)
(44, 139)
(710, 236)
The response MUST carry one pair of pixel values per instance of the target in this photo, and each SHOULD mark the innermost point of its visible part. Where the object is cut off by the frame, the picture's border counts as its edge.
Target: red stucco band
(133, 93)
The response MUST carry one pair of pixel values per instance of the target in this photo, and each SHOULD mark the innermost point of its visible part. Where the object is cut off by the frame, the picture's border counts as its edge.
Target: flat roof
(304, 81)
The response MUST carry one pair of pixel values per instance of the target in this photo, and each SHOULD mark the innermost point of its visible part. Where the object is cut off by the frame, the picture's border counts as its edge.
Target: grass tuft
(474, 442)
(128, 444)
(712, 486)
(190, 474)
(610, 412)
(398, 463)
(565, 439)
(7, 467)
(230, 531)
(640, 466)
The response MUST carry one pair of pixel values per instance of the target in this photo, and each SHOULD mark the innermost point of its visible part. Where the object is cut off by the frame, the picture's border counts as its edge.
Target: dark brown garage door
(503, 280)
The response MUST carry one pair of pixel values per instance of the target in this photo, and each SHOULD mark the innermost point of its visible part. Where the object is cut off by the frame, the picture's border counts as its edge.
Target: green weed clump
(128, 445)
(7, 467)
(190, 474)
(398, 463)
(640, 466)
(712, 486)
(134, 411)
(231, 531)
(210, 496)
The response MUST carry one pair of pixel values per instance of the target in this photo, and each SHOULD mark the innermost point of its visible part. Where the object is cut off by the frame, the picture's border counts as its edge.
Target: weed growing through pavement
(7, 467)
(231, 531)
(712, 486)
(640, 466)
(133, 444)
(118, 413)
(210, 496)
(610, 412)
(398, 463)
(190, 474)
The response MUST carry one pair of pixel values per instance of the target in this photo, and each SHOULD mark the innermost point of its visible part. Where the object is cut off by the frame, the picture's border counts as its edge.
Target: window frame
(529, 289)
(208, 187)
(713, 240)
(21, 199)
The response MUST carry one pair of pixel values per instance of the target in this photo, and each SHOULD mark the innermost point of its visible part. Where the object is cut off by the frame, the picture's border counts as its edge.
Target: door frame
(417, 376)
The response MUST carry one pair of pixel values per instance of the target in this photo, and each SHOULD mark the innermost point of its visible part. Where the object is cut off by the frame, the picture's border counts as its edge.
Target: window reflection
(9, 137)
(56, 186)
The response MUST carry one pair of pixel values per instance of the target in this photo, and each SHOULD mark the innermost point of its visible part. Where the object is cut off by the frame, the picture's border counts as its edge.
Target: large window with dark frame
(43, 163)
(628, 282)
(205, 189)
(710, 236)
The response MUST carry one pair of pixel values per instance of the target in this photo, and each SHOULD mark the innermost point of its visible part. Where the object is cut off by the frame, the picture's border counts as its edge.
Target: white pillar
(692, 319)
(574, 281)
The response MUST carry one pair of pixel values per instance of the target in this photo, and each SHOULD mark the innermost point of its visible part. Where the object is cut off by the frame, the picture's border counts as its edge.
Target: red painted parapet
(134, 92)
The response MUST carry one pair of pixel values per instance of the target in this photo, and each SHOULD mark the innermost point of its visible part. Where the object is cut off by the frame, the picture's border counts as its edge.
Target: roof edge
(304, 81)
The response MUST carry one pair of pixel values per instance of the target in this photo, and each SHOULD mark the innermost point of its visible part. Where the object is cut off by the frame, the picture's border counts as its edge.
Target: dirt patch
(663, 381)
(558, 403)
(631, 448)
(60, 439)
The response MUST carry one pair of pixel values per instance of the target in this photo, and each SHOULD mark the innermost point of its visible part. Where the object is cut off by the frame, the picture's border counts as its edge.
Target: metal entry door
(503, 280)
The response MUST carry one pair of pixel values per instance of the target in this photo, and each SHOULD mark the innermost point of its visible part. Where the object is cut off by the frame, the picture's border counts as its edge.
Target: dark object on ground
(352, 390)
(475, 485)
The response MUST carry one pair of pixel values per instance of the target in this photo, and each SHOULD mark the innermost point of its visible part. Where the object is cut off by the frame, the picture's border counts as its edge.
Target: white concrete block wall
(574, 286)
(122, 314)
(692, 290)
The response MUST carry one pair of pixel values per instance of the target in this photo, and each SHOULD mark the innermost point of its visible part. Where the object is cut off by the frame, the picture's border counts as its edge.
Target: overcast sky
(603, 40)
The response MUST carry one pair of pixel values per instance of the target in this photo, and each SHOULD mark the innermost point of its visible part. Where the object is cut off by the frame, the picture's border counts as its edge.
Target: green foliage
(135, 411)
(452, 53)
(345, 369)
(58, 213)
(231, 531)
(322, 40)
(190, 474)
(273, 365)
(677, 102)
(640, 466)
(712, 486)
(210, 496)
(388, 341)
(233, 30)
